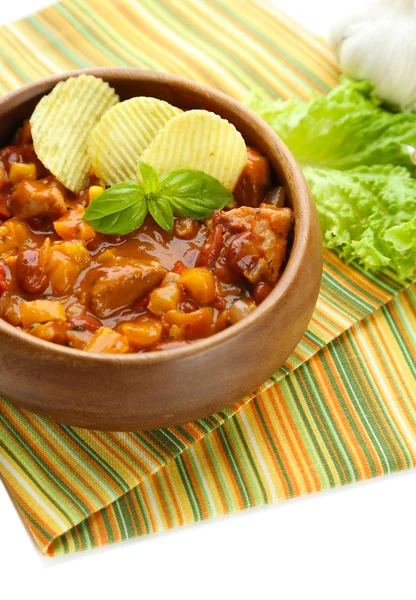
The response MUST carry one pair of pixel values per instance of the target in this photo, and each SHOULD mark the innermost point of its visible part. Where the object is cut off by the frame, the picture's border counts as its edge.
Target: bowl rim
(284, 284)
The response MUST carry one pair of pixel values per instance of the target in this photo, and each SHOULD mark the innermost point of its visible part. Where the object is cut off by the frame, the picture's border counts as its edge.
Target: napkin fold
(341, 409)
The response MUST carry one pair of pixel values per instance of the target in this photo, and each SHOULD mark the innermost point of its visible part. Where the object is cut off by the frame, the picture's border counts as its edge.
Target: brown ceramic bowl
(161, 389)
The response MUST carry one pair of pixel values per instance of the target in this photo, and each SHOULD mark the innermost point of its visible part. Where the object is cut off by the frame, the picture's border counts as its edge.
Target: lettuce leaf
(357, 158)
(345, 129)
(368, 214)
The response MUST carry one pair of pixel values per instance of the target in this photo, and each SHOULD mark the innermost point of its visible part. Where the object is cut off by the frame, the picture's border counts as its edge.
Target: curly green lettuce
(357, 159)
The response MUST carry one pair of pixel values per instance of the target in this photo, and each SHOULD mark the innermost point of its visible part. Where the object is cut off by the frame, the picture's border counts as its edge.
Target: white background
(357, 542)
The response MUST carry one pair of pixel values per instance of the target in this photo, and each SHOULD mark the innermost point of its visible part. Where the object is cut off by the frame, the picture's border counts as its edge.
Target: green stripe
(233, 462)
(51, 476)
(297, 401)
(115, 476)
(234, 424)
(382, 435)
(189, 488)
(334, 442)
(409, 358)
(43, 489)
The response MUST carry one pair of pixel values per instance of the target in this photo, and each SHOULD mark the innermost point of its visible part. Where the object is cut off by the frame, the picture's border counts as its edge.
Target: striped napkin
(341, 409)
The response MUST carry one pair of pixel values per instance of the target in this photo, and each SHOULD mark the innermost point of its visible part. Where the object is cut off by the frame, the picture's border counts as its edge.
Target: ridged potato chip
(62, 123)
(199, 140)
(124, 133)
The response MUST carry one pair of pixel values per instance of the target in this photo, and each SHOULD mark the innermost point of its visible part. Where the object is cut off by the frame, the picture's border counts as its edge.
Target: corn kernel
(22, 172)
(106, 256)
(94, 191)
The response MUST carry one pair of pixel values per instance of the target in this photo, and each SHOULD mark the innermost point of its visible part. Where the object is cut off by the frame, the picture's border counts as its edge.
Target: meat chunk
(37, 199)
(255, 181)
(120, 283)
(255, 240)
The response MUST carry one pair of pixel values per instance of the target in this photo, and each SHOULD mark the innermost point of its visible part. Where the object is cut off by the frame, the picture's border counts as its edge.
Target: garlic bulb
(378, 43)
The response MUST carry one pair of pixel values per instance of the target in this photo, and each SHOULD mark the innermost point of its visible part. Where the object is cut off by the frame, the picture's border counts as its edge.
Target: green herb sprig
(185, 193)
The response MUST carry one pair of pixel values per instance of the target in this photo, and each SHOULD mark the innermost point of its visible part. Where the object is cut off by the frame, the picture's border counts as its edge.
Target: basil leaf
(161, 211)
(116, 198)
(122, 222)
(150, 178)
(193, 193)
(119, 210)
(184, 192)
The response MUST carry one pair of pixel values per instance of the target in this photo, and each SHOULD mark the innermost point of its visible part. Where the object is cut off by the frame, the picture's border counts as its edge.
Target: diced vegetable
(66, 261)
(190, 325)
(71, 226)
(22, 171)
(54, 331)
(164, 298)
(14, 235)
(41, 311)
(11, 312)
(200, 284)
(107, 340)
(223, 321)
(240, 309)
(143, 332)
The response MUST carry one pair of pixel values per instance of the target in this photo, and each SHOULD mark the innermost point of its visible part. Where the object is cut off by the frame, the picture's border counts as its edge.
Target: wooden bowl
(162, 389)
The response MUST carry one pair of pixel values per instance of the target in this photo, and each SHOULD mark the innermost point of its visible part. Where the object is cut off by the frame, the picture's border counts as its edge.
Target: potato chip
(199, 140)
(124, 133)
(62, 123)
